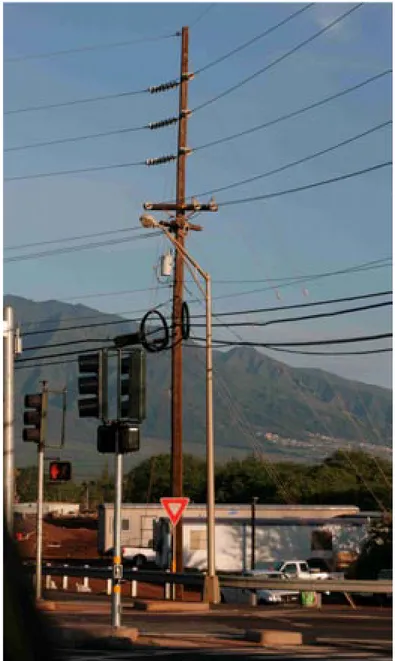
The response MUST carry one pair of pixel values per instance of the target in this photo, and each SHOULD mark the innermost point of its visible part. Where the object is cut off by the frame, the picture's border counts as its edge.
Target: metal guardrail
(241, 582)
(317, 585)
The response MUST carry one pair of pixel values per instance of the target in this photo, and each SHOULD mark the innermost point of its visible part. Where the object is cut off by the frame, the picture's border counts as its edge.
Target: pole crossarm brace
(173, 206)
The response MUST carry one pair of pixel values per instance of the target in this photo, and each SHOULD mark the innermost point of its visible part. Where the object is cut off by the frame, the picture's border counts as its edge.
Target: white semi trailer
(281, 533)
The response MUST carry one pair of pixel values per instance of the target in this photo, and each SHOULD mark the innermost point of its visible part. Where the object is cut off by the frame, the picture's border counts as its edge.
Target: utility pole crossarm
(176, 206)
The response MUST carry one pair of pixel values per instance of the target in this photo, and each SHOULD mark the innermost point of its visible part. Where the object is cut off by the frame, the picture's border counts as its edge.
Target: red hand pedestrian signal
(54, 471)
(60, 471)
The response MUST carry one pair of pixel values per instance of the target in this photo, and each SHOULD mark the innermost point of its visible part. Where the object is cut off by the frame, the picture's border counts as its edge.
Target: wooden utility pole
(178, 288)
(180, 226)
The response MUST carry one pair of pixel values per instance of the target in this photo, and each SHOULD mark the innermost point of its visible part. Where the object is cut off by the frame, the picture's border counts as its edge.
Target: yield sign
(174, 508)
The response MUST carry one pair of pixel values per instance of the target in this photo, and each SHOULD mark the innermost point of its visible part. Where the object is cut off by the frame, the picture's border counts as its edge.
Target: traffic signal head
(133, 387)
(95, 385)
(33, 417)
(128, 438)
(60, 471)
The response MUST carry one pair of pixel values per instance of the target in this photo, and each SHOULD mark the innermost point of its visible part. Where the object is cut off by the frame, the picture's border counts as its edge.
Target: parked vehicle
(297, 569)
(282, 571)
(244, 595)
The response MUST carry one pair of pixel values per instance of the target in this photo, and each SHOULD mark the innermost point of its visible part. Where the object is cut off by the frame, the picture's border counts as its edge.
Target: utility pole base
(211, 592)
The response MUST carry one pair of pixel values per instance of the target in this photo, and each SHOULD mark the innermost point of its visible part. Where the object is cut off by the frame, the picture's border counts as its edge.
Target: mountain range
(260, 404)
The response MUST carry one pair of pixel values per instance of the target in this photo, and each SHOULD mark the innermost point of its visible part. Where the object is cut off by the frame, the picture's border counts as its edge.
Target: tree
(150, 480)
(376, 552)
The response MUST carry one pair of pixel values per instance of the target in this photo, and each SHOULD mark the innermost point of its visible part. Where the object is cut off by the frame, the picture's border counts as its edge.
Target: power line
(228, 325)
(312, 185)
(200, 346)
(58, 355)
(295, 306)
(74, 102)
(65, 344)
(365, 266)
(308, 343)
(299, 161)
(295, 113)
(319, 315)
(279, 59)
(87, 48)
(350, 269)
(61, 173)
(78, 138)
(202, 14)
(332, 353)
(85, 246)
(65, 239)
(347, 299)
(254, 39)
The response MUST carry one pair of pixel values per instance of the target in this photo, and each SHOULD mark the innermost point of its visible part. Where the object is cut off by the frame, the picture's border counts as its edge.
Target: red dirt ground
(59, 541)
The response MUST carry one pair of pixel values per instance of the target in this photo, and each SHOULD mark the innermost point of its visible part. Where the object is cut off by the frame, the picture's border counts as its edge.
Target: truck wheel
(139, 561)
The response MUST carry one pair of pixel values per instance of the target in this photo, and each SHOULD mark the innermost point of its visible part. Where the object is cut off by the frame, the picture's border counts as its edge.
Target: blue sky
(317, 230)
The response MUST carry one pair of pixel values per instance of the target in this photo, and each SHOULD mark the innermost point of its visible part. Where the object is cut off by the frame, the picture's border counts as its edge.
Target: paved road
(339, 633)
(373, 624)
(183, 655)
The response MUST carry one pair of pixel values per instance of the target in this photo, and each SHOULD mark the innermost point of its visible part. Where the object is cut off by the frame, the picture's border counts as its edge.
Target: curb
(172, 606)
(101, 638)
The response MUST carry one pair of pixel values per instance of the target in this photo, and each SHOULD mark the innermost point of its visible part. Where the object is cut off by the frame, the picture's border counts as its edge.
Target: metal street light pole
(211, 589)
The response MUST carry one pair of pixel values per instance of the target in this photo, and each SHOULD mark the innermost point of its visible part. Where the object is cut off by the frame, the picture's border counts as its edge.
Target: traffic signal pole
(117, 560)
(8, 416)
(40, 491)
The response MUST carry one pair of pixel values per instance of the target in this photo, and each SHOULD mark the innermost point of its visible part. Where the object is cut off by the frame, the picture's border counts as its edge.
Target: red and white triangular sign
(174, 507)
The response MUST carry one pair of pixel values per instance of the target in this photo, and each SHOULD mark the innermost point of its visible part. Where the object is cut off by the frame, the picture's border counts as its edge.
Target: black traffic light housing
(94, 367)
(59, 471)
(129, 438)
(133, 387)
(33, 417)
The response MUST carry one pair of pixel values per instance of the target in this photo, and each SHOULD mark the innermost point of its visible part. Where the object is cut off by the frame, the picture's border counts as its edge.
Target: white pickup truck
(281, 570)
(292, 569)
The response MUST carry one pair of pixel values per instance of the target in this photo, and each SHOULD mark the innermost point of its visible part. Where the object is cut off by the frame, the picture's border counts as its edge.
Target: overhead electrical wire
(299, 161)
(62, 173)
(319, 315)
(295, 306)
(278, 60)
(295, 113)
(84, 246)
(310, 186)
(86, 340)
(365, 266)
(231, 324)
(59, 355)
(220, 59)
(88, 48)
(78, 138)
(74, 102)
(278, 308)
(65, 239)
(74, 354)
(333, 353)
(202, 14)
(307, 343)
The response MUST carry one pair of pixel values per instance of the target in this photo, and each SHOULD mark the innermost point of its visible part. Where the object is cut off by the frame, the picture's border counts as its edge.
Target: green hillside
(306, 413)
